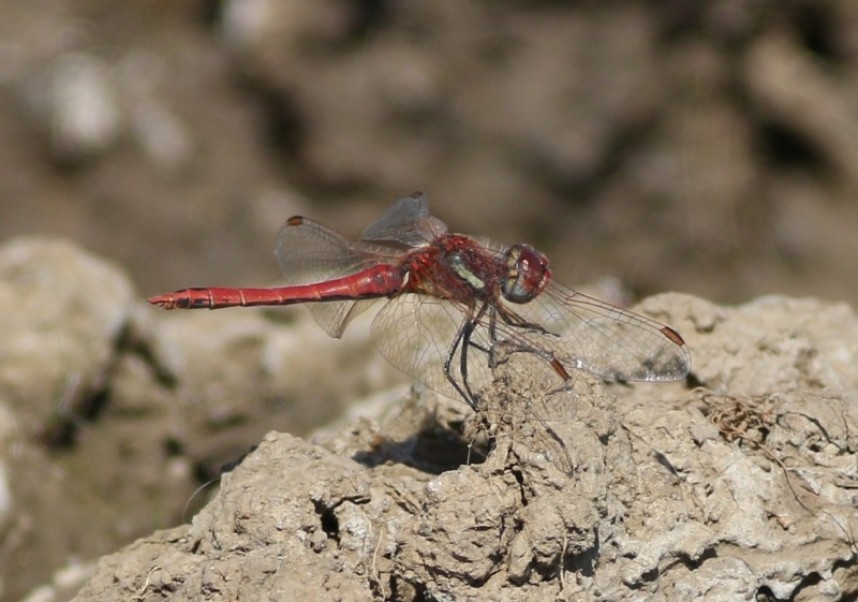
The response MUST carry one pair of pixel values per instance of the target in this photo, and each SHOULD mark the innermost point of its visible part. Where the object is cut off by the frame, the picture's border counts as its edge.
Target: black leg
(463, 361)
(451, 353)
(463, 343)
(466, 345)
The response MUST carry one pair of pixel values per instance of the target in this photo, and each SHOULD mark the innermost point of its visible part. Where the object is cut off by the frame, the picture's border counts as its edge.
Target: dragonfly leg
(462, 342)
(547, 356)
(463, 361)
(448, 361)
(470, 325)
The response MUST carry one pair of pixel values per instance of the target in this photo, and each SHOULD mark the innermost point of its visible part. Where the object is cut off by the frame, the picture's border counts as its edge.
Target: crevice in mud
(645, 579)
(692, 564)
(421, 593)
(809, 580)
(328, 520)
(786, 148)
(160, 373)
(817, 25)
(695, 563)
(61, 430)
(519, 478)
(584, 562)
(402, 589)
(765, 594)
(81, 404)
(173, 447)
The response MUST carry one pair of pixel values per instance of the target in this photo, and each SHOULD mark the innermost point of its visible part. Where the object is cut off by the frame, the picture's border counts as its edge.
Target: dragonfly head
(527, 274)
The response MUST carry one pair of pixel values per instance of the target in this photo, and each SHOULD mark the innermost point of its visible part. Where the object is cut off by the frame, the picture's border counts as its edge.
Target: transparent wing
(407, 223)
(415, 333)
(583, 333)
(309, 252)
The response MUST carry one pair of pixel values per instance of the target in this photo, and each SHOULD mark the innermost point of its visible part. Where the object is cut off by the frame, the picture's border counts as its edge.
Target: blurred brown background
(706, 147)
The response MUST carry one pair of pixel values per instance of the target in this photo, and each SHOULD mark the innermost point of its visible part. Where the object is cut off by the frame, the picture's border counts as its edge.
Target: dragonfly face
(527, 274)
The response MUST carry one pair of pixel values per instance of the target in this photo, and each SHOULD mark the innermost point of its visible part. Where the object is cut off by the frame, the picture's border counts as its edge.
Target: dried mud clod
(580, 491)
(300, 518)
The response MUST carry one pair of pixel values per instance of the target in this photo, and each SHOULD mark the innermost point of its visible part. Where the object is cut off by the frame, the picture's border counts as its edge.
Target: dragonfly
(451, 300)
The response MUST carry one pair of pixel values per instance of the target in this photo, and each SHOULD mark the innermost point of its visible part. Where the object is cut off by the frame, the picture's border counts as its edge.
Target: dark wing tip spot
(671, 334)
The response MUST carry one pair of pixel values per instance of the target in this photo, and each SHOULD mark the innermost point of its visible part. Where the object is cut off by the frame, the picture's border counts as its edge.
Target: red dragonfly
(450, 297)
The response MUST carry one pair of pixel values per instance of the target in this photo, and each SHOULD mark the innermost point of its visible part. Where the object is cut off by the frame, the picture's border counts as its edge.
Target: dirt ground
(709, 148)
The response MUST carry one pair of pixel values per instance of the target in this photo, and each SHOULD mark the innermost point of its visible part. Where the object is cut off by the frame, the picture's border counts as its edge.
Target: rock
(737, 484)
(62, 312)
(63, 315)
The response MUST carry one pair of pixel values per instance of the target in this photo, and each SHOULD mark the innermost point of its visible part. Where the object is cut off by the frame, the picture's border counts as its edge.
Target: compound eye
(527, 274)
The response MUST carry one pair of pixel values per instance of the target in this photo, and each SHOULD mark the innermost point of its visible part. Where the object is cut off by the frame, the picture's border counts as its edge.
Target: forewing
(309, 252)
(407, 223)
(415, 334)
(583, 333)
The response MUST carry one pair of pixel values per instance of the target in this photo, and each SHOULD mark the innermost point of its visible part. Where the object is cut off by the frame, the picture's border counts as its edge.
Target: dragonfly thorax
(462, 268)
(527, 274)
